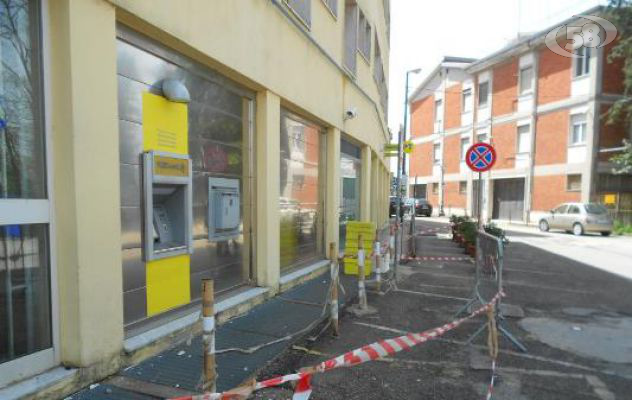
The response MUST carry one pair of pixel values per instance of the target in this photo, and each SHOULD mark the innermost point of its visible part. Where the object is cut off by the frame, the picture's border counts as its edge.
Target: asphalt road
(576, 327)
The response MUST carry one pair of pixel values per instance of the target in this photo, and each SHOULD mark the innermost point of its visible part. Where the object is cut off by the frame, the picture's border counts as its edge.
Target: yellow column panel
(168, 283)
(165, 125)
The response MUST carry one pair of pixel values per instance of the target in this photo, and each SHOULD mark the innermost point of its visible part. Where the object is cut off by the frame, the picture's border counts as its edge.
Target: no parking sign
(480, 157)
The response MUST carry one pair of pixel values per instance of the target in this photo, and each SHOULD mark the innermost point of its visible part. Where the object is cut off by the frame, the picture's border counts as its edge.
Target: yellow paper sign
(354, 230)
(165, 125)
(169, 166)
(610, 199)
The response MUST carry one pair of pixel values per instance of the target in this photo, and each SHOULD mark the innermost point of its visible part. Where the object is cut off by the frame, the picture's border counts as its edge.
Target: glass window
(574, 183)
(526, 80)
(350, 170)
(302, 8)
(435, 188)
(22, 162)
(301, 196)
(436, 153)
(351, 35)
(578, 129)
(364, 36)
(463, 187)
(524, 139)
(582, 63)
(438, 110)
(560, 209)
(594, 208)
(466, 102)
(332, 5)
(481, 137)
(25, 309)
(573, 210)
(483, 94)
(465, 144)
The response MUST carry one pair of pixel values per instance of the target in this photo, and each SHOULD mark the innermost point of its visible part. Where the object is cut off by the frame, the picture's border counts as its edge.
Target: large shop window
(301, 199)
(220, 147)
(350, 168)
(25, 299)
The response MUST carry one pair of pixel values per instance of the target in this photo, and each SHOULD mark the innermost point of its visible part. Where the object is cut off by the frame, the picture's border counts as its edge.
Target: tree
(623, 161)
(619, 12)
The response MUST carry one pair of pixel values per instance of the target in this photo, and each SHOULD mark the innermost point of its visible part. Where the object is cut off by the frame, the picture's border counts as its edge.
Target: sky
(423, 31)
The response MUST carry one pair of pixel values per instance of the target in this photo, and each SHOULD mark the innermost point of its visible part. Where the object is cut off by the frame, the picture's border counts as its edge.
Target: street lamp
(400, 171)
(413, 71)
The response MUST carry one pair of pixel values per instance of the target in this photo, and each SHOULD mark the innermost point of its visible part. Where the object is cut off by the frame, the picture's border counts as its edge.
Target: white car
(578, 218)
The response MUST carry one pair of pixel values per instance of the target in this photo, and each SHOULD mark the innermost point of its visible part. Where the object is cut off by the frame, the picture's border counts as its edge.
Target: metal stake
(208, 335)
(335, 276)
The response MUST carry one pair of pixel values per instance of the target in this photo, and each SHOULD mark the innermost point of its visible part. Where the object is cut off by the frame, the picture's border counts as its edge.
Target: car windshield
(593, 208)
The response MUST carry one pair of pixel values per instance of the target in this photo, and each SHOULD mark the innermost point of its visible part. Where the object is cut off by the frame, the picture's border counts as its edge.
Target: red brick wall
(612, 72)
(554, 77)
(452, 153)
(422, 117)
(550, 191)
(421, 160)
(452, 196)
(433, 199)
(505, 88)
(504, 140)
(552, 138)
(453, 106)
(610, 135)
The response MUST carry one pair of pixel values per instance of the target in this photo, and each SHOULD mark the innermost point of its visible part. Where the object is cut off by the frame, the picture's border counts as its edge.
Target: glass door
(26, 334)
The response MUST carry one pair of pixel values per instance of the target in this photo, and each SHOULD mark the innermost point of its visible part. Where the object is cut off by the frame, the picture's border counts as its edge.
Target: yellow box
(355, 229)
(165, 125)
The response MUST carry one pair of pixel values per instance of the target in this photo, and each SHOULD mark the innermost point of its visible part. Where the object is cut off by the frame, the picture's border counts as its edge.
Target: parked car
(404, 204)
(422, 207)
(578, 218)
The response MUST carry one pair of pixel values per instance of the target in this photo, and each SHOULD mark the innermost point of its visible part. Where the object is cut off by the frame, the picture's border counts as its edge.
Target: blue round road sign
(480, 157)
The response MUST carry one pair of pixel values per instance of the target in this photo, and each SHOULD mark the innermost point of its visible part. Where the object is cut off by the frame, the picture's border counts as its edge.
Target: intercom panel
(224, 216)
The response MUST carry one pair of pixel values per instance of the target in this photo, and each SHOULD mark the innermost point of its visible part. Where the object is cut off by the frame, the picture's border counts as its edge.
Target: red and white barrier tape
(361, 355)
(436, 258)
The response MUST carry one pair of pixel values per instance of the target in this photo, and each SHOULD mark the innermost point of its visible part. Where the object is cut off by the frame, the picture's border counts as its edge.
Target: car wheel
(578, 229)
(605, 233)
(544, 226)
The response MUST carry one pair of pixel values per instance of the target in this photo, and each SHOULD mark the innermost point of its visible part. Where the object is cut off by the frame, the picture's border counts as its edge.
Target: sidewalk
(177, 371)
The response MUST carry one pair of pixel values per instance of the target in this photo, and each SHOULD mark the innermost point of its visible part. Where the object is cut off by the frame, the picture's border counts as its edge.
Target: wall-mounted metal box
(224, 217)
(167, 186)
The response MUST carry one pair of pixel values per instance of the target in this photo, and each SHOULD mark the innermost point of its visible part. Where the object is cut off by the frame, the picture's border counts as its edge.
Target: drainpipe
(442, 132)
(534, 123)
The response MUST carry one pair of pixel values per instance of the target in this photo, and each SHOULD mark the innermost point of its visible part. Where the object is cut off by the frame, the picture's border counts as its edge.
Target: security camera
(351, 113)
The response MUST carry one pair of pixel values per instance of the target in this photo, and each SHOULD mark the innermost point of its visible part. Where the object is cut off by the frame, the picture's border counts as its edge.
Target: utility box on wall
(224, 217)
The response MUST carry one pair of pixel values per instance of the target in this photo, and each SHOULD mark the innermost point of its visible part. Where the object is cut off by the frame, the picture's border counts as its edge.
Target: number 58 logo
(588, 35)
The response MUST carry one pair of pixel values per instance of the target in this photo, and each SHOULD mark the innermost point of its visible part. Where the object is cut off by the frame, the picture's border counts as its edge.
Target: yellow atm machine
(167, 203)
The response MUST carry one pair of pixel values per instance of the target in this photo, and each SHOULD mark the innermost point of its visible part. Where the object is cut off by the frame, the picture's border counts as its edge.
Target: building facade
(543, 114)
(147, 145)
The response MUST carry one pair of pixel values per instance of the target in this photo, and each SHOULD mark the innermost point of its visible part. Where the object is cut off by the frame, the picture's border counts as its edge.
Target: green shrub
(622, 229)
(468, 230)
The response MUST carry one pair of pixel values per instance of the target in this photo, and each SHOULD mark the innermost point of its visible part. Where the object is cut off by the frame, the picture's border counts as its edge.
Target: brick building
(542, 112)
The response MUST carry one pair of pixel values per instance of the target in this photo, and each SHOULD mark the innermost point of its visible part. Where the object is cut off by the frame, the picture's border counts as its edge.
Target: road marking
(441, 296)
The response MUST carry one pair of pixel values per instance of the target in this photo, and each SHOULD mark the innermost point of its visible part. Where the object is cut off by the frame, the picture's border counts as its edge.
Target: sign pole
(480, 199)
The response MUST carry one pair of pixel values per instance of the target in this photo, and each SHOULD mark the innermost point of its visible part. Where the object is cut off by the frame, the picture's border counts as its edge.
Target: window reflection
(301, 196)
(22, 173)
(24, 291)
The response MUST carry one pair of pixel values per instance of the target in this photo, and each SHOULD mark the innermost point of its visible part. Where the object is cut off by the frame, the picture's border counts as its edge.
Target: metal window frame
(518, 133)
(525, 91)
(572, 125)
(305, 20)
(568, 186)
(469, 92)
(332, 8)
(39, 211)
(478, 100)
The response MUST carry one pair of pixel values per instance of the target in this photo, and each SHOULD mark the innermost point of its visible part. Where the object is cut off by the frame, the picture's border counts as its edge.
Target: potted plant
(469, 236)
(494, 230)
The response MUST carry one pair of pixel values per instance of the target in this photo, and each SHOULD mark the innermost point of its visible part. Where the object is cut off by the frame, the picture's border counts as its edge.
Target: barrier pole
(335, 276)
(208, 335)
(361, 285)
(378, 267)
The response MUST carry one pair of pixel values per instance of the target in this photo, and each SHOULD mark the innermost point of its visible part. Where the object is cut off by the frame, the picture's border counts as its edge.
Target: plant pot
(471, 249)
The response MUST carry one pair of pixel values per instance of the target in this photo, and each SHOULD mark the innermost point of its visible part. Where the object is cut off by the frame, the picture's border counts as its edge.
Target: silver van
(578, 218)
